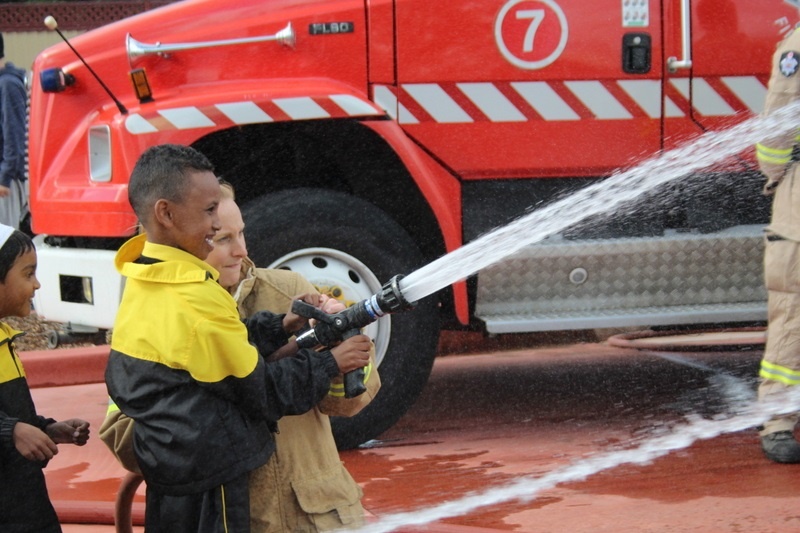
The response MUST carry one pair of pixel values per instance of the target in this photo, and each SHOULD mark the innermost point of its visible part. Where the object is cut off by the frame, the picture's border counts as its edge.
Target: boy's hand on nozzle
(72, 431)
(33, 443)
(293, 322)
(352, 353)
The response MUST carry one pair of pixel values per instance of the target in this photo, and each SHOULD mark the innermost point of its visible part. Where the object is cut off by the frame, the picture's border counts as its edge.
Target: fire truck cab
(366, 138)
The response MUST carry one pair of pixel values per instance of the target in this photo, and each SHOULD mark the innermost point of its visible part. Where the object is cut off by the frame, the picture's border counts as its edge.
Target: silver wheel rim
(327, 269)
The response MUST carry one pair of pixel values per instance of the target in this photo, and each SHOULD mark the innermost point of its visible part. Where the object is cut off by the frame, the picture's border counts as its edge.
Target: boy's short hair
(163, 171)
(17, 244)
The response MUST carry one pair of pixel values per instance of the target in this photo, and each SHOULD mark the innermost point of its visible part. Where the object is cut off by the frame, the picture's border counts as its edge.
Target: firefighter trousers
(780, 366)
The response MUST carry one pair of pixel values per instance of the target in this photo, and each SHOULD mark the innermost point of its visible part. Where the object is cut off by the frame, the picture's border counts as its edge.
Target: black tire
(53, 339)
(329, 236)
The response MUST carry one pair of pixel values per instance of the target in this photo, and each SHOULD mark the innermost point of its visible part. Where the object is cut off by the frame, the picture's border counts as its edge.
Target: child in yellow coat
(27, 440)
(304, 487)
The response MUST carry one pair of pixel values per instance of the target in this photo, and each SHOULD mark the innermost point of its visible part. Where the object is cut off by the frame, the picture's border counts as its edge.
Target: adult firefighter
(780, 366)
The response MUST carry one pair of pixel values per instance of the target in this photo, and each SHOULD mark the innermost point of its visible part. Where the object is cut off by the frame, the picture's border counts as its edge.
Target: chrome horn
(137, 49)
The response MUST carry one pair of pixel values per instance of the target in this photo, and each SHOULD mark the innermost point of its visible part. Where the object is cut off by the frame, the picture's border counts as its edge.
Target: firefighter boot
(781, 447)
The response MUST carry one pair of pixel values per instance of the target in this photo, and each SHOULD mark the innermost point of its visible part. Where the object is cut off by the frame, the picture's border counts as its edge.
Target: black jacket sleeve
(293, 384)
(265, 332)
(296, 384)
(7, 424)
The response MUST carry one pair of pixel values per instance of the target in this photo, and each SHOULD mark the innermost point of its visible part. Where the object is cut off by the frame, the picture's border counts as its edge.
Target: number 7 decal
(536, 16)
(531, 34)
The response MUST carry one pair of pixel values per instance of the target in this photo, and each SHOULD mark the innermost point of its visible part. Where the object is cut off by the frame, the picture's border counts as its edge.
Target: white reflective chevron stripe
(136, 125)
(540, 100)
(544, 100)
(185, 118)
(249, 112)
(599, 101)
(682, 85)
(747, 89)
(708, 102)
(646, 94)
(437, 103)
(671, 108)
(491, 102)
(244, 113)
(548, 101)
(353, 105)
(301, 108)
(387, 101)
(705, 99)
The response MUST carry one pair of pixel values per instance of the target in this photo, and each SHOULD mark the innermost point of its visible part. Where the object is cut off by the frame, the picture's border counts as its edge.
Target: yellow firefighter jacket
(181, 365)
(305, 486)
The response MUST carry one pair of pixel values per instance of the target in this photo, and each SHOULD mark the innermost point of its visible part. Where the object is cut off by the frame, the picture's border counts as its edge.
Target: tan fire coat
(775, 153)
(304, 487)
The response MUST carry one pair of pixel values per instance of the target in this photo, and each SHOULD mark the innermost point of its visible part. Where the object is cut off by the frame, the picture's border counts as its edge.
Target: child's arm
(72, 431)
(266, 332)
(32, 443)
(270, 332)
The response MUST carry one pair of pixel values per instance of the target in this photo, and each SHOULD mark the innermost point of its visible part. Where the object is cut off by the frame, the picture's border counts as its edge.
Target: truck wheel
(349, 248)
(53, 339)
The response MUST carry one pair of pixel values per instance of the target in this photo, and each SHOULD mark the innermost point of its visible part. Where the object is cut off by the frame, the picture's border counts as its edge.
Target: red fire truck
(367, 138)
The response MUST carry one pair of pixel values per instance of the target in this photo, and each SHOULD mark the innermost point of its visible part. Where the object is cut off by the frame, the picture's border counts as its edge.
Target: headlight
(100, 154)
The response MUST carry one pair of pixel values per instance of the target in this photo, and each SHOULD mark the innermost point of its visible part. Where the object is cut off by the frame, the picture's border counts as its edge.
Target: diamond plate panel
(620, 276)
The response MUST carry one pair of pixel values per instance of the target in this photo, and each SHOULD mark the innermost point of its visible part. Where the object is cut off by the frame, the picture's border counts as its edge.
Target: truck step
(617, 318)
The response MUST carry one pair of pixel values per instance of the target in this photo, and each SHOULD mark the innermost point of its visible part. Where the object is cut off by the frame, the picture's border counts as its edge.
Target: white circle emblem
(531, 34)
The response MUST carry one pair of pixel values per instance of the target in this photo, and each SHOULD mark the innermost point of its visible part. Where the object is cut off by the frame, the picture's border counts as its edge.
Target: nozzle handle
(354, 383)
(354, 380)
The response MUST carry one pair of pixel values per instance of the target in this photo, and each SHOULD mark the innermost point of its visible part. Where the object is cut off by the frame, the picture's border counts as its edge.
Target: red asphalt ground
(485, 421)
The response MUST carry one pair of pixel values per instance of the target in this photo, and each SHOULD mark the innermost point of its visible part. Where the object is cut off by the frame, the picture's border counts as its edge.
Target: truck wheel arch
(350, 156)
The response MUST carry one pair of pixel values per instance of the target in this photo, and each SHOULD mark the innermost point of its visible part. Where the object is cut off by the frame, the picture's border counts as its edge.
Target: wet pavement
(488, 420)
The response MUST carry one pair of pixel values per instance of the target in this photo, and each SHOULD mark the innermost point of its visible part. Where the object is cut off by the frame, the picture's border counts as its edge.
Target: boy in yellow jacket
(307, 492)
(184, 365)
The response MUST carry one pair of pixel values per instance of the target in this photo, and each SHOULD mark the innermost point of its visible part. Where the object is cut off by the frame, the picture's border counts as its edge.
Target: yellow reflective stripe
(774, 160)
(112, 407)
(337, 389)
(773, 151)
(779, 373)
(776, 156)
(367, 371)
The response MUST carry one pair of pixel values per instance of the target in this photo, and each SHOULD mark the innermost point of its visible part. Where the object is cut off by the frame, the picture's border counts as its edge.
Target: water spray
(620, 188)
(330, 329)
(615, 191)
(526, 488)
(735, 391)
